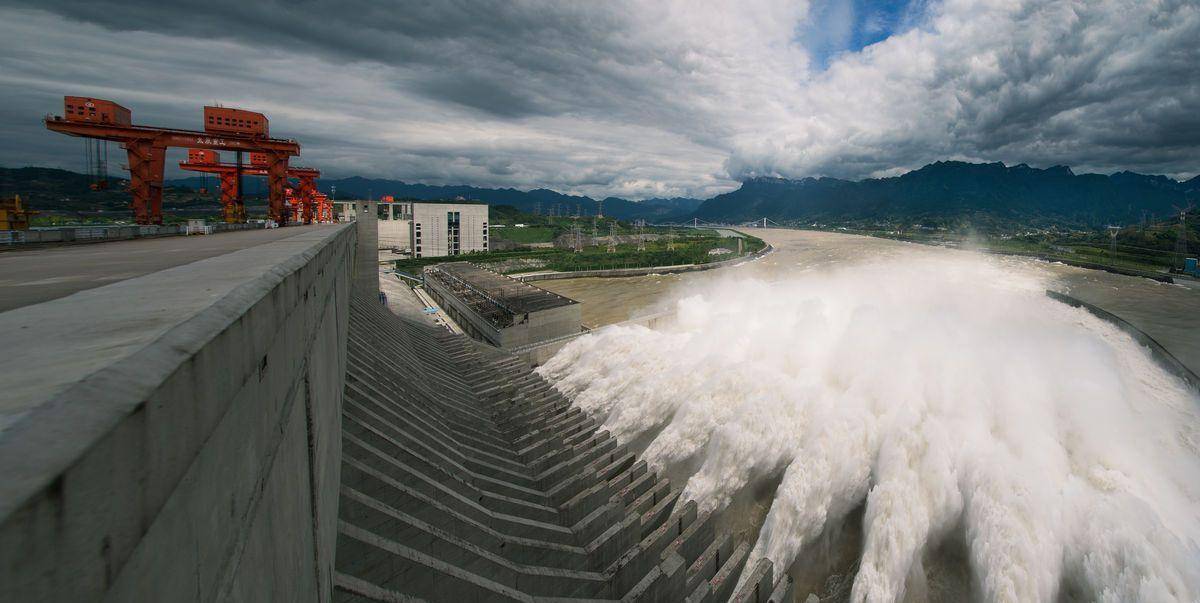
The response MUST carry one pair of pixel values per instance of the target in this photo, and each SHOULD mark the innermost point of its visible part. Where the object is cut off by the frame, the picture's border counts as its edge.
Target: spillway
(467, 477)
(925, 401)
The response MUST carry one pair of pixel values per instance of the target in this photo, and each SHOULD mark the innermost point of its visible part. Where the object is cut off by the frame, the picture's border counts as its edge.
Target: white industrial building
(448, 229)
(395, 226)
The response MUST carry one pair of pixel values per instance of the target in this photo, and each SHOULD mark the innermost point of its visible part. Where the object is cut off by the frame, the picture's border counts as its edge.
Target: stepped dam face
(467, 478)
(921, 424)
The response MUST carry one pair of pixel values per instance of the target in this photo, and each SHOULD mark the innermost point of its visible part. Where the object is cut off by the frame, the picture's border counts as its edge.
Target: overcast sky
(629, 98)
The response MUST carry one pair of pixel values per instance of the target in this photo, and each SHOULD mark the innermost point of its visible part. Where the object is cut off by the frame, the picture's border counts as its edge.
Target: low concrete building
(499, 310)
(448, 229)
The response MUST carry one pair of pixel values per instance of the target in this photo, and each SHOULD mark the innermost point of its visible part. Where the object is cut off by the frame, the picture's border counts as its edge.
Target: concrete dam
(257, 426)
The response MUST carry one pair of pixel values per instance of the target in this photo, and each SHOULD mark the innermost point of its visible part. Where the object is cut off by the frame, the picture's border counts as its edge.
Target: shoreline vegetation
(683, 249)
(527, 243)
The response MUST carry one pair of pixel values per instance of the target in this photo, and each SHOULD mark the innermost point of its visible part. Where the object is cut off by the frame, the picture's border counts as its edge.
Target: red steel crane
(232, 209)
(225, 129)
(315, 208)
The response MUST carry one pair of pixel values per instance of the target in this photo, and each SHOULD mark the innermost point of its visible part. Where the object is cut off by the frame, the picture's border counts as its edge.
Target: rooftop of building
(492, 294)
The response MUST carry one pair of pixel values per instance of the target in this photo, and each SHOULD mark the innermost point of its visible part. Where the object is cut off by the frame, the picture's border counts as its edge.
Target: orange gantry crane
(225, 129)
(321, 207)
(304, 203)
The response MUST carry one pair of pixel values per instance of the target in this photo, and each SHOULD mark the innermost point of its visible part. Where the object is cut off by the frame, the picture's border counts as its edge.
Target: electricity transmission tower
(671, 240)
(576, 236)
(641, 238)
(1181, 245)
(612, 236)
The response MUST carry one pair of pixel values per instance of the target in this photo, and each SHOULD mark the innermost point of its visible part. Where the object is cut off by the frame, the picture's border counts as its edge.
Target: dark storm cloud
(509, 59)
(1102, 85)
(626, 97)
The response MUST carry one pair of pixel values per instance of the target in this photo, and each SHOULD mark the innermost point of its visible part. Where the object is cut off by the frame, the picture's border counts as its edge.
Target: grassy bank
(689, 248)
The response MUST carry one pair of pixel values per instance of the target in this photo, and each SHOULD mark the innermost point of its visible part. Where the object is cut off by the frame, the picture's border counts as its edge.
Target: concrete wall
(175, 437)
(433, 241)
(543, 325)
(536, 354)
(393, 234)
(99, 234)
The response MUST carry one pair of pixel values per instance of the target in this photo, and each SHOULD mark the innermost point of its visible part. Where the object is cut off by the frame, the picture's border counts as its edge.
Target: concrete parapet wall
(99, 234)
(176, 437)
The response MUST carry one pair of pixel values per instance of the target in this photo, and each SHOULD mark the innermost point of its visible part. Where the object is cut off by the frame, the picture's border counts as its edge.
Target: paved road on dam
(38, 275)
(1168, 313)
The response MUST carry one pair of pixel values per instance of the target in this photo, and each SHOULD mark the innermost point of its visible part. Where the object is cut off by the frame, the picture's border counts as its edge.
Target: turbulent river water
(897, 422)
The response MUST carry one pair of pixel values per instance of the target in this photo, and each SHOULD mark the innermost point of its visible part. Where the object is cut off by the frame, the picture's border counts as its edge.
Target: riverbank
(1167, 312)
(1157, 276)
(1130, 269)
(643, 271)
(681, 249)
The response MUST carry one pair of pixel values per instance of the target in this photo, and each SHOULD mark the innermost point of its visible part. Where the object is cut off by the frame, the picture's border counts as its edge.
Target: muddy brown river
(979, 362)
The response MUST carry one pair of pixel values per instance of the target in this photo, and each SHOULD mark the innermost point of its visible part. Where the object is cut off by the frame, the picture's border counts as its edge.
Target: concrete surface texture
(394, 234)
(174, 436)
(466, 477)
(32, 276)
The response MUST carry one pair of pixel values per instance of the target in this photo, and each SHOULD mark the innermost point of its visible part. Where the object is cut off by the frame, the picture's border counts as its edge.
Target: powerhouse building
(448, 229)
(500, 310)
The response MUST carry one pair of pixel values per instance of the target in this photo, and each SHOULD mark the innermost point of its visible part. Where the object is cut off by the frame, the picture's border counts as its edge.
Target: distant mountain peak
(956, 189)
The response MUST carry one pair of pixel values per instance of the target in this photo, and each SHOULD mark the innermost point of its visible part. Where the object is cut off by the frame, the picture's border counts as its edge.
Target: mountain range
(954, 190)
(937, 193)
(940, 192)
(357, 187)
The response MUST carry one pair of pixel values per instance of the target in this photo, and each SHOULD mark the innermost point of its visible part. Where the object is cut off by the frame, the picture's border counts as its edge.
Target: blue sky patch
(838, 26)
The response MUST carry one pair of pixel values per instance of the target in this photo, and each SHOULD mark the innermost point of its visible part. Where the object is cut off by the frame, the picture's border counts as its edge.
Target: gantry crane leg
(146, 180)
(231, 212)
(307, 192)
(277, 174)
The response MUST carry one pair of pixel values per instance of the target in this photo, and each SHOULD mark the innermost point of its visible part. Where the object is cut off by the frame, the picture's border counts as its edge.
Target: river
(1168, 313)
(892, 421)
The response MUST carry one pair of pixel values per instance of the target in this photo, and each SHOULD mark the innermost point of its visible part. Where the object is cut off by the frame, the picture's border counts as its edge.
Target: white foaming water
(948, 393)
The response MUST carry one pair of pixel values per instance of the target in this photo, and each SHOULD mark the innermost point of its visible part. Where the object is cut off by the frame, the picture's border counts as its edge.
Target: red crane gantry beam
(232, 211)
(147, 146)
